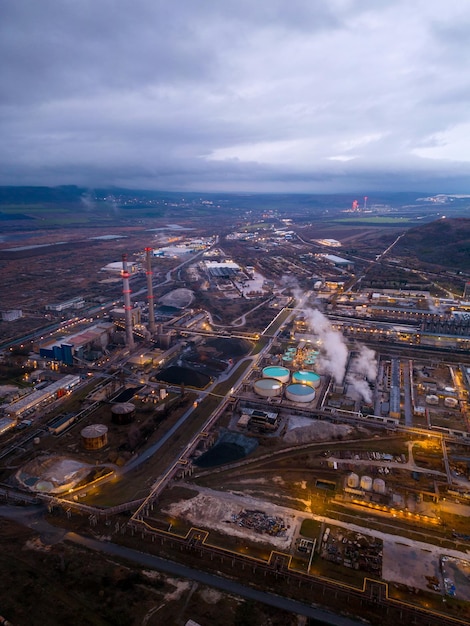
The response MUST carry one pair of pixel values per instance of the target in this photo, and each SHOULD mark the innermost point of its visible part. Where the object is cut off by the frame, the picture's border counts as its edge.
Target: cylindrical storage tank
(306, 377)
(378, 486)
(123, 413)
(366, 483)
(275, 371)
(287, 358)
(352, 481)
(450, 403)
(298, 392)
(432, 399)
(36, 441)
(94, 437)
(268, 387)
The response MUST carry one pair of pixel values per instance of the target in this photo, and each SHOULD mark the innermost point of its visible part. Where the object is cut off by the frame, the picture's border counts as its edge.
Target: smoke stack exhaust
(127, 303)
(148, 253)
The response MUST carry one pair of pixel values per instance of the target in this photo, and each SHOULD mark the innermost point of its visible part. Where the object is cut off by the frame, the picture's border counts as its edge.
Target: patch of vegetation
(442, 242)
(310, 528)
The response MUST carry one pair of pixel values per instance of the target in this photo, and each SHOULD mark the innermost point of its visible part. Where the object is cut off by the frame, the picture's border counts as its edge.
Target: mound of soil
(229, 447)
(230, 347)
(176, 375)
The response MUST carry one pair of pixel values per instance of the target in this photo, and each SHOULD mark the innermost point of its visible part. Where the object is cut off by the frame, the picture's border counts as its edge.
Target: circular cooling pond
(279, 373)
(306, 377)
(298, 392)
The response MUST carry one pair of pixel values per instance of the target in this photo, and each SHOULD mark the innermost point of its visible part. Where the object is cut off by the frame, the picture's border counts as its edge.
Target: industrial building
(79, 345)
(226, 269)
(337, 261)
(73, 303)
(258, 419)
(11, 316)
(40, 398)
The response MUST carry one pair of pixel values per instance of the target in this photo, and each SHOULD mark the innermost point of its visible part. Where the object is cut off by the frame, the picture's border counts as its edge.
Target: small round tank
(450, 403)
(352, 481)
(123, 413)
(366, 483)
(378, 486)
(94, 437)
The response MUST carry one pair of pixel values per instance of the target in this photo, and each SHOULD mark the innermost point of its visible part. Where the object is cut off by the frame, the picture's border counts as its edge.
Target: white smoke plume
(361, 387)
(87, 202)
(333, 350)
(365, 363)
(363, 368)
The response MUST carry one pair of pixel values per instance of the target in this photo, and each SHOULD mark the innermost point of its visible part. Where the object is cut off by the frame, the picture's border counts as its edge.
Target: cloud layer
(273, 95)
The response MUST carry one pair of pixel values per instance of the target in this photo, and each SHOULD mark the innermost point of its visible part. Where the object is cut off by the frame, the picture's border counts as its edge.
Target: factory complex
(270, 407)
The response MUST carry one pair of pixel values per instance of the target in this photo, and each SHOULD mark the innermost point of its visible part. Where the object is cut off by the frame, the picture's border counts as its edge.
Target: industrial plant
(265, 394)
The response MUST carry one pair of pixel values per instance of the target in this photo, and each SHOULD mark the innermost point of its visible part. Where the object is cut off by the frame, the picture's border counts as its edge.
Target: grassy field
(376, 221)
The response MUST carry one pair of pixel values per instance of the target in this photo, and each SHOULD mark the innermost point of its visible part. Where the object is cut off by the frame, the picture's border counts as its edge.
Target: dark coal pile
(229, 447)
(230, 347)
(220, 454)
(127, 394)
(176, 375)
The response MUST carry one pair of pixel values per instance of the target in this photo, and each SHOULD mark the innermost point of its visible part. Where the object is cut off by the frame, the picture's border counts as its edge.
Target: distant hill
(443, 242)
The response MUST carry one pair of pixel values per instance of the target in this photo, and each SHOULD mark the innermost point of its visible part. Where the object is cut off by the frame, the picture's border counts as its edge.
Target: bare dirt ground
(62, 584)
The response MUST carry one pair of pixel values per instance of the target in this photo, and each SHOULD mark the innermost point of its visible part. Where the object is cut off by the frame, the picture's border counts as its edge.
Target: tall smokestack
(148, 252)
(126, 290)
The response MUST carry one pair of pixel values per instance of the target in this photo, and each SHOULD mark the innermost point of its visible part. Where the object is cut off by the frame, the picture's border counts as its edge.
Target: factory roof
(81, 338)
(333, 258)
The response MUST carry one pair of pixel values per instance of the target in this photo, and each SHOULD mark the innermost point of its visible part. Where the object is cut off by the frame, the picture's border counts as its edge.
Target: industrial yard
(209, 402)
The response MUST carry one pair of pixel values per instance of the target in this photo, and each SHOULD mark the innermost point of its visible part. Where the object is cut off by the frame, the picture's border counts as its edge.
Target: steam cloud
(334, 352)
(363, 368)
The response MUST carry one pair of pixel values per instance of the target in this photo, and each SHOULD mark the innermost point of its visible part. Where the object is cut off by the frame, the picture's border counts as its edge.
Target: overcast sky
(236, 95)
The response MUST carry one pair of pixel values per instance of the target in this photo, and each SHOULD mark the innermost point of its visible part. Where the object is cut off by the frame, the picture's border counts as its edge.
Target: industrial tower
(127, 303)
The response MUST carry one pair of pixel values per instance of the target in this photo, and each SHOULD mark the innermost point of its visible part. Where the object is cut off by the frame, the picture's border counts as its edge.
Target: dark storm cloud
(298, 95)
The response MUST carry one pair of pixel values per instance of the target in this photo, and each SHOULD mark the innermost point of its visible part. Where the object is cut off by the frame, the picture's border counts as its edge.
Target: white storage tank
(306, 377)
(268, 387)
(300, 393)
(450, 403)
(366, 483)
(431, 399)
(352, 481)
(276, 371)
(378, 486)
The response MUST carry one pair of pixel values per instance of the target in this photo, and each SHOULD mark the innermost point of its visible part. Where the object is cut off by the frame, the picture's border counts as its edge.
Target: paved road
(229, 586)
(32, 517)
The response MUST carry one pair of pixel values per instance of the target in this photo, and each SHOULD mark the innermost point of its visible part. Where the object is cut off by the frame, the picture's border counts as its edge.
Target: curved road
(176, 569)
(32, 517)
